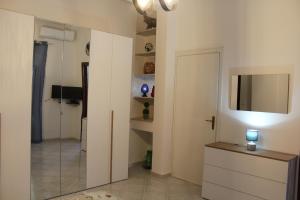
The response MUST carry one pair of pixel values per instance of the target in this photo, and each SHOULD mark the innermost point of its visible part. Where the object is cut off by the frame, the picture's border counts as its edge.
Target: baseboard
(60, 139)
(161, 176)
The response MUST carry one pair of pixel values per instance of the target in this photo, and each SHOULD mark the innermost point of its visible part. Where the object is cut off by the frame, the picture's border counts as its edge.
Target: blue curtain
(38, 78)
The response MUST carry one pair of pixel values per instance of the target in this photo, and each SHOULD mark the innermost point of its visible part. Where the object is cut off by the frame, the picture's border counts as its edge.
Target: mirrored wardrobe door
(73, 107)
(46, 112)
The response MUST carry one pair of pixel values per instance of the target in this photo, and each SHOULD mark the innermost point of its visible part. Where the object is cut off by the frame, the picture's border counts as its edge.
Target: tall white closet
(108, 106)
(16, 52)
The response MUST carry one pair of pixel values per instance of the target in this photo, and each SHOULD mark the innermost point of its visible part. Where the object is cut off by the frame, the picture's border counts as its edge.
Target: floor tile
(141, 185)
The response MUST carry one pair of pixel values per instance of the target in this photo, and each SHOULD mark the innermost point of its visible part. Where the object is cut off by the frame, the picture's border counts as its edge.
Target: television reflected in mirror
(260, 93)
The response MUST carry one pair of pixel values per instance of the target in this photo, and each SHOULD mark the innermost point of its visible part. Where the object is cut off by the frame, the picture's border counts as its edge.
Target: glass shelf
(144, 99)
(145, 76)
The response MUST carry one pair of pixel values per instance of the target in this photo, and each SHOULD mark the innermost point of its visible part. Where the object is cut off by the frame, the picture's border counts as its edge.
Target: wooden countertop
(259, 152)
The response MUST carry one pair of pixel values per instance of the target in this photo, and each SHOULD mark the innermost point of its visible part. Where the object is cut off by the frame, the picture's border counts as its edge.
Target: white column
(164, 89)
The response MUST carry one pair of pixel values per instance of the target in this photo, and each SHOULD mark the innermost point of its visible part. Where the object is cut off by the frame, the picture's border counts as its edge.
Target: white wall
(266, 34)
(198, 24)
(254, 33)
(114, 16)
(164, 92)
(139, 143)
(262, 34)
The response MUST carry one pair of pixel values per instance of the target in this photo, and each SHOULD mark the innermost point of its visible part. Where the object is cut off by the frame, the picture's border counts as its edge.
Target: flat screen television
(66, 92)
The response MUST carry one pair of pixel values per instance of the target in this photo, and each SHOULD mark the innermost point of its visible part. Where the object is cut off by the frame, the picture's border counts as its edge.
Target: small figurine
(149, 47)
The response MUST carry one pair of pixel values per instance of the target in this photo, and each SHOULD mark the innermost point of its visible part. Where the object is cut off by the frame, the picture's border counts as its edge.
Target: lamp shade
(142, 5)
(252, 135)
(168, 5)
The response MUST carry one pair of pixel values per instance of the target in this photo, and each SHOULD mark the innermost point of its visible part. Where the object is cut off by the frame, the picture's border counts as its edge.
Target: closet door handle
(111, 143)
(212, 121)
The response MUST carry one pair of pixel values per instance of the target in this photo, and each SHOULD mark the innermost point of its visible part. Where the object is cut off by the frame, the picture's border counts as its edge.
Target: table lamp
(252, 137)
(145, 90)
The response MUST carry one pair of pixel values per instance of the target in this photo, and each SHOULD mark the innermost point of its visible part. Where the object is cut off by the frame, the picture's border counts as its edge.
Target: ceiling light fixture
(142, 5)
(168, 5)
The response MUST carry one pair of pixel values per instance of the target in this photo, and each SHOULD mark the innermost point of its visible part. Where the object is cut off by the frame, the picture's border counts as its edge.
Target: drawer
(248, 184)
(247, 164)
(215, 192)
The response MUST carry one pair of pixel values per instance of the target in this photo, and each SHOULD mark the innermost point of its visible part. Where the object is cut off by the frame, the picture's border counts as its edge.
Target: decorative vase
(148, 160)
(144, 90)
(153, 92)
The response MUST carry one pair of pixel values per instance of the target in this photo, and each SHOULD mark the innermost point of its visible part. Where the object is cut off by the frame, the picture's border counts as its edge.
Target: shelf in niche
(148, 32)
(141, 124)
(146, 54)
(145, 76)
(144, 99)
(142, 119)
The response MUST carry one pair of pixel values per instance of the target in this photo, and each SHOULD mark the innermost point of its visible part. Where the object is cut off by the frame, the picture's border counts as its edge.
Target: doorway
(195, 112)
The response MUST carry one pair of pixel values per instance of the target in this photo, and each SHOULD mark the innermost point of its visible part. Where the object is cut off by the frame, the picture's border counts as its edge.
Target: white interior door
(196, 94)
(99, 110)
(16, 53)
(120, 104)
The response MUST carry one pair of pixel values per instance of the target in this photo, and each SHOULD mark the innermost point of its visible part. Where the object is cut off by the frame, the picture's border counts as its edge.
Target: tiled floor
(142, 185)
(49, 178)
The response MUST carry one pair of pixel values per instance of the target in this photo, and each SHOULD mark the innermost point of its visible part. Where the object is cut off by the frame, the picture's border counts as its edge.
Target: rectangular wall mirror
(261, 93)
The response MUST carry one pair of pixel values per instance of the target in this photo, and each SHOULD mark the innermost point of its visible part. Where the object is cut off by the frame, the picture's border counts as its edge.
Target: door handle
(212, 121)
(111, 143)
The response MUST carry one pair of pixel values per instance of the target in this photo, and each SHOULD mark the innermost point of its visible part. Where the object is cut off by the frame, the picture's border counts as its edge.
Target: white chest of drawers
(233, 173)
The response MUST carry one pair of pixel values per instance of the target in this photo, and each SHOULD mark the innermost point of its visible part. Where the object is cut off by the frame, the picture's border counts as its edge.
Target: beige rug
(101, 195)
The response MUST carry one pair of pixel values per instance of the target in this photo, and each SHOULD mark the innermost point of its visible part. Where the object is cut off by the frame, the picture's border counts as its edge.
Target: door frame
(219, 51)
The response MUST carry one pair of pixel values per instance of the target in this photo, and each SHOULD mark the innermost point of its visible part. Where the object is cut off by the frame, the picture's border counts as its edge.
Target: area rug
(100, 195)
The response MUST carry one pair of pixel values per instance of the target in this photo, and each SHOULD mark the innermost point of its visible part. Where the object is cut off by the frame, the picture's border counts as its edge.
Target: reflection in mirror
(59, 102)
(261, 93)
(73, 106)
(45, 131)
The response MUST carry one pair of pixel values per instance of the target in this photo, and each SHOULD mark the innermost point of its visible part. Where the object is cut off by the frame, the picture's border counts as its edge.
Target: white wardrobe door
(98, 121)
(16, 55)
(120, 104)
